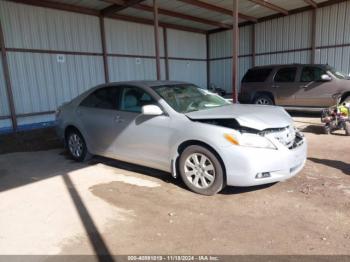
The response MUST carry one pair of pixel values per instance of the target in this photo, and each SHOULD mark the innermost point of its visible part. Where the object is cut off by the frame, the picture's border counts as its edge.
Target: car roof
(146, 83)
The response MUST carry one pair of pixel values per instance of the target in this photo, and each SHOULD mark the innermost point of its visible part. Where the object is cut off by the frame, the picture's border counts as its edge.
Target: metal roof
(204, 15)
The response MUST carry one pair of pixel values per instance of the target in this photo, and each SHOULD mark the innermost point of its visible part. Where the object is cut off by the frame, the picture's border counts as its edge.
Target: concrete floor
(52, 205)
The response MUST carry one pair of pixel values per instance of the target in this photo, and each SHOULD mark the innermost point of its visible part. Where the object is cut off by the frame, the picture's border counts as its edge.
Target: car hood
(258, 117)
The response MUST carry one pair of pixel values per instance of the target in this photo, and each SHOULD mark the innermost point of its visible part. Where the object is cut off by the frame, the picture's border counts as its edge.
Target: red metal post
(104, 49)
(235, 50)
(156, 37)
(7, 80)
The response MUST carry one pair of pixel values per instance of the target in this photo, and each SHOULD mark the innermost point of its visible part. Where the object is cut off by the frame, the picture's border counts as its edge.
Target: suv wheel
(201, 170)
(263, 100)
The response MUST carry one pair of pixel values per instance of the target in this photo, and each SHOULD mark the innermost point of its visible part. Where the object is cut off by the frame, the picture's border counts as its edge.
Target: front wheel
(201, 170)
(77, 146)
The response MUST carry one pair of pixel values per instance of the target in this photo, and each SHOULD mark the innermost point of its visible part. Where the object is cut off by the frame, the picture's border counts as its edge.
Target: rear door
(285, 86)
(97, 114)
(313, 91)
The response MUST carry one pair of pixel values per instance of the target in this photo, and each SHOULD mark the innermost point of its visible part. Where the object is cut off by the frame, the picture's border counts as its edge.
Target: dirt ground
(52, 205)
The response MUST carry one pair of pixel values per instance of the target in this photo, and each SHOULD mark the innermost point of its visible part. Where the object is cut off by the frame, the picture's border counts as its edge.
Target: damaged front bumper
(256, 166)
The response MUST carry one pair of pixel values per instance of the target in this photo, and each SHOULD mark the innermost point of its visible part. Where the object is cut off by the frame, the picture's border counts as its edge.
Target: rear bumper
(244, 164)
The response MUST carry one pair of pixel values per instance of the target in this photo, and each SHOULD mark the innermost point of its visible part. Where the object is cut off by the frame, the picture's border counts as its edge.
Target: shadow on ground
(340, 165)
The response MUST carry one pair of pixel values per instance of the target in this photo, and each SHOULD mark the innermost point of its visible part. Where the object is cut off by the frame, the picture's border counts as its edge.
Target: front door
(142, 139)
(313, 91)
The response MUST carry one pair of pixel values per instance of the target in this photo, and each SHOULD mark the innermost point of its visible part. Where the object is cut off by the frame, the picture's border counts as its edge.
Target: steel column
(208, 59)
(166, 57)
(156, 37)
(313, 37)
(253, 45)
(235, 50)
(7, 80)
(104, 49)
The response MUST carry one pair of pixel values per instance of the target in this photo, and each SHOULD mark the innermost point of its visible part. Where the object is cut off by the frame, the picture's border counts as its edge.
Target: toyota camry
(188, 131)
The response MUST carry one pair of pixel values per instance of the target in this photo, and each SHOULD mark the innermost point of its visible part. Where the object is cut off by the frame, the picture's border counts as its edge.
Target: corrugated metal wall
(333, 36)
(43, 81)
(286, 40)
(4, 108)
(187, 45)
(42, 28)
(124, 39)
(221, 51)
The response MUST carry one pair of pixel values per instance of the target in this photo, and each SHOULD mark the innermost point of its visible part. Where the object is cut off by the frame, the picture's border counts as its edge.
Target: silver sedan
(185, 130)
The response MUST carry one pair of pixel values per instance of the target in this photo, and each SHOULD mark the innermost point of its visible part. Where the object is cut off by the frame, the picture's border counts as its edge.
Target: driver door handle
(274, 86)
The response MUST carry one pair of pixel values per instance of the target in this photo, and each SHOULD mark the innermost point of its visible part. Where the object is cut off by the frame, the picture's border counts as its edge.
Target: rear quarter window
(256, 75)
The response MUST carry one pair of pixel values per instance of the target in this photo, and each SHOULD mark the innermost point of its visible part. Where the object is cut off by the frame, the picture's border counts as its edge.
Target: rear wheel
(263, 100)
(201, 170)
(77, 146)
(327, 129)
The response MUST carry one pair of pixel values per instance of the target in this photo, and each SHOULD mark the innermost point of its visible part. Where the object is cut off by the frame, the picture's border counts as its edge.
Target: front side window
(103, 98)
(311, 74)
(187, 98)
(134, 98)
(286, 74)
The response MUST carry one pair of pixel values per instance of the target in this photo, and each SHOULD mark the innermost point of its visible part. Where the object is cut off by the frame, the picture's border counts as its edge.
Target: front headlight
(250, 140)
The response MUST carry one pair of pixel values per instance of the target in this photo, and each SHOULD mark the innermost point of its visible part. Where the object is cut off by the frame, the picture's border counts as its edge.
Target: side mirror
(326, 78)
(151, 110)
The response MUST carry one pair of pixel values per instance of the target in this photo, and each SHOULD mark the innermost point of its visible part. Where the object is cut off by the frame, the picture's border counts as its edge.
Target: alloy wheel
(75, 145)
(262, 101)
(199, 170)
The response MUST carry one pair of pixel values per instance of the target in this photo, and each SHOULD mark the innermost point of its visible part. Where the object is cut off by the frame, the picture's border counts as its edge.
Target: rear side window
(286, 74)
(311, 74)
(104, 98)
(256, 75)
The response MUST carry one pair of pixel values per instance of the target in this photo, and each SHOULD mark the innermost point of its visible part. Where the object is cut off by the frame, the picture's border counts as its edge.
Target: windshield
(188, 98)
(336, 73)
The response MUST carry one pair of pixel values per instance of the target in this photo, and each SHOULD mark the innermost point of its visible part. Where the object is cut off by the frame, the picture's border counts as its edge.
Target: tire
(263, 100)
(327, 129)
(347, 128)
(193, 173)
(76, 146)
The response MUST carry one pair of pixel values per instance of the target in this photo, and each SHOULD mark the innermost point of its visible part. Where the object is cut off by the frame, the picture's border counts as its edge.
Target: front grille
(286, 136)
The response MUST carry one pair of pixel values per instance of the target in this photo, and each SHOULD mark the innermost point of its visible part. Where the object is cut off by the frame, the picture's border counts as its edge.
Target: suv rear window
(286, 74)
(256, 75)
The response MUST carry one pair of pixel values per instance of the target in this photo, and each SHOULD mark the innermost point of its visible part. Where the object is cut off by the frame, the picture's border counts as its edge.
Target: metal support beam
(181, 15)
(156, 37)
(166, 56)
(118, 6)
(235, 50)
(217, 9)
(311, 2)
(151, 22)
(208, 59)
(7, 80)
(104, 49)
(253, 45)
(270, 6)
(313, 37)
